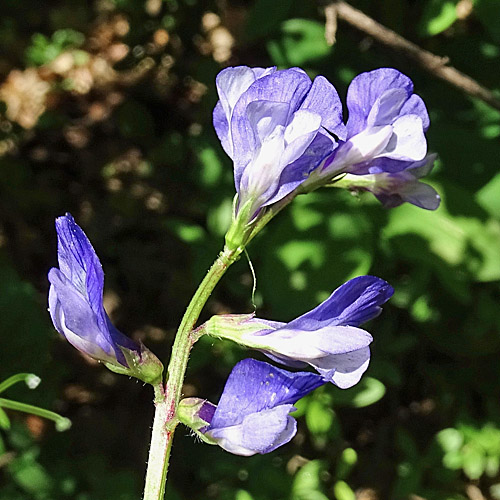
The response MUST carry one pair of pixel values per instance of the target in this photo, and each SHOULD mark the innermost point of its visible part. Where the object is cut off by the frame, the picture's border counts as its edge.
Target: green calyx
(235, 327)
(241, 227)
(188, 412)
(143, 365)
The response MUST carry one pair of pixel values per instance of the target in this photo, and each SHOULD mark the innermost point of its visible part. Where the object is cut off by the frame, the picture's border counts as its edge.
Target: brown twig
(436, 65)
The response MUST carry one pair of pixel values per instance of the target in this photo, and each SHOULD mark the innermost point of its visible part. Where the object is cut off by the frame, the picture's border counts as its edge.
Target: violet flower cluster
(283, 131)
(286, 135)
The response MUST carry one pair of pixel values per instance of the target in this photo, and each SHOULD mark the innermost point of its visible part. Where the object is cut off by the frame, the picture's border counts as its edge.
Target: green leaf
(489, 196)
(487, 12)
(474, 462)
(243, 495)
(30, 475)
(347, 461)
(319, 418)
(343, 491)
(367, 392)
(438, 15)
(307, 482)
(450, 439)
(302, 41)
(464, 243)
(211, 166)
(4, 420)
(220, 216)
(185, 231)
(265, 17)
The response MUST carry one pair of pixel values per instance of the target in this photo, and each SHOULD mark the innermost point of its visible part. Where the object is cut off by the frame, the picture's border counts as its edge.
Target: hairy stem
(166, 402)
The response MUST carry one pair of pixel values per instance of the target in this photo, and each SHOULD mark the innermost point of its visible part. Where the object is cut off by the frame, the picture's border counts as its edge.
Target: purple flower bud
(77, 311)
(393, 189)
(386, 126)
(270, 123)
(253, 412)
(326, 338)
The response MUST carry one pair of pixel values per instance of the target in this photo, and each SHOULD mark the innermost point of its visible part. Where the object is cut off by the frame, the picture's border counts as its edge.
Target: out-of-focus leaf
(219, 217)
(302, 41)
(489, 196)
(30, 475)
(307, 482)
(243, 495)
(187, 232)
(347, 461)
(265, 17)
(474, 462)
(211, 166)
(319, 418)
(465, 243)
(4, 420)
(44, 50)
(487, 11)
(343, 491)
(450, 439)
(367, 392)
(438, 15)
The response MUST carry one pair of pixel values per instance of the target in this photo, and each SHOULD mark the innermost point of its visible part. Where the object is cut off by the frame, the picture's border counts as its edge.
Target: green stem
(62, 423)
(165, 420)
(31, 380)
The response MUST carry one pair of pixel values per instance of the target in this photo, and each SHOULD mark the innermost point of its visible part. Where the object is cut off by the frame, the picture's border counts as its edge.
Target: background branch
(432, 63)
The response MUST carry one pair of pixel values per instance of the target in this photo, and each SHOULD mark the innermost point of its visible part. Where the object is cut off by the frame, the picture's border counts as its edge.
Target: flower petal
(260, 432)
(75, 319)
(421, 195)
(387, 107)
(286, 86)
(306, 345)
(366, 88)
(415, 106)
(294, 174)
(324, 100)
(221, 125)
(254, 386)
(408, 140)
(353, 303)
(344, 370)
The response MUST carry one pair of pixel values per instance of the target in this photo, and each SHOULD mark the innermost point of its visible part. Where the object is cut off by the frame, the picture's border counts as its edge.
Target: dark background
(106, 113)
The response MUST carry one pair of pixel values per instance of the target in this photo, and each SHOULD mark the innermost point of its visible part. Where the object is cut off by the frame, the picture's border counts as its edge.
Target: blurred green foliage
(106, 113)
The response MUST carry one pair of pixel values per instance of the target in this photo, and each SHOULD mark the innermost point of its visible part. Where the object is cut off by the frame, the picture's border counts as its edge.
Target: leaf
(438, 16)
(243, 495)
(343, 491)
(347, 461)
(307, 482)
(487, 12)
(319, 418)
(302, 41)
(265, 17)
(489, 196)
(367, 392)
(4, 420)
(450, 439)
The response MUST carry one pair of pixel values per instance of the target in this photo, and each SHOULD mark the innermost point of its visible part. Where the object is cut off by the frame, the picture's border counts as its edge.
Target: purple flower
(271, 123)
(77, 311)
(326, 338)
(393, 189)
(386, 126)
(253, 412)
